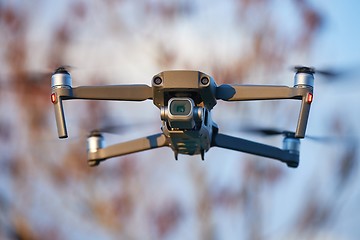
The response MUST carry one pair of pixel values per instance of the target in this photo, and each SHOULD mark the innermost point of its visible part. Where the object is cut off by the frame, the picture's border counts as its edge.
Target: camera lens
(180, 107)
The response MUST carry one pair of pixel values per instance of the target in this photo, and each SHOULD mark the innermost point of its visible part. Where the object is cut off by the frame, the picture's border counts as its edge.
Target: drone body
(185, 100)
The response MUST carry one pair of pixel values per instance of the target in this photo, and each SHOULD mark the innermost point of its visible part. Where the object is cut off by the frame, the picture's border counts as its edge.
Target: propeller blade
(113, 129)
(30, 77)
(122, 128)
(263, 131)
(303, 69)
(63, 69)
(274, 132)
(330, 73)
(329, 139)
(266, 131)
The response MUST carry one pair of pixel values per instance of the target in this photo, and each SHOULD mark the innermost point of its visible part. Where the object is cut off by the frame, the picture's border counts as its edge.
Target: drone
(185, 100)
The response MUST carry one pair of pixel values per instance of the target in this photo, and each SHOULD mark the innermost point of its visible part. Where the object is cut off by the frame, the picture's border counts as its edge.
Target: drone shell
(197, 85)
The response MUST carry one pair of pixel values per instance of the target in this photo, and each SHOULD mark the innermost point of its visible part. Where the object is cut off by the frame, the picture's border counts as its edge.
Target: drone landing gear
(202, 154)
(287, 155)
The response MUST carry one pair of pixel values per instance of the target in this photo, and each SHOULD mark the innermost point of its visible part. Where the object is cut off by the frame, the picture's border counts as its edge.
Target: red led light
(309, 98)
(53, 97)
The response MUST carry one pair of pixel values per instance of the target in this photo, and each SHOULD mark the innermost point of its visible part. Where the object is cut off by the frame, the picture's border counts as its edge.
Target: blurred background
(47, 189)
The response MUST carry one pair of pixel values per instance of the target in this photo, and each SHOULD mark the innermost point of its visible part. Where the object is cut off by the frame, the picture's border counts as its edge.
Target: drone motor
(95, 142)
(304, 79)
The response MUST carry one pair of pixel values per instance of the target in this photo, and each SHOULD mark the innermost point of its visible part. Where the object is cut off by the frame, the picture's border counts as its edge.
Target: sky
(338, 43)
(131, 59)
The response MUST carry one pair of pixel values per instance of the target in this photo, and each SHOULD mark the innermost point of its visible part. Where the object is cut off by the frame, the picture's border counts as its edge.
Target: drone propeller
(49, 71)
(267, 131)
(63, 69)
(303, 69)
(275, 132)
(26, 78)
(112, 129)
(328, 73)
(121, 128)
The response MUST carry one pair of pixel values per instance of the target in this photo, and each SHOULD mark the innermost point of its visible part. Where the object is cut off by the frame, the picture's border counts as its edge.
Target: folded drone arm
(242, 145)
(248, 92)
(120, 149)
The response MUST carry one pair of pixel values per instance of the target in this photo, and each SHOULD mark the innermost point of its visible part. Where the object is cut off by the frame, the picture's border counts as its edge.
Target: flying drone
(185, 100)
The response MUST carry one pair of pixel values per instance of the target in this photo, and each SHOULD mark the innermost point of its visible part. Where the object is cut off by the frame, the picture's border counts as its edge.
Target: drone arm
(303, 116)
(228, 92)
(120, 149)
(60, 118)
(242, 145)
(57, 96)
(248, 92)
(138, 92)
